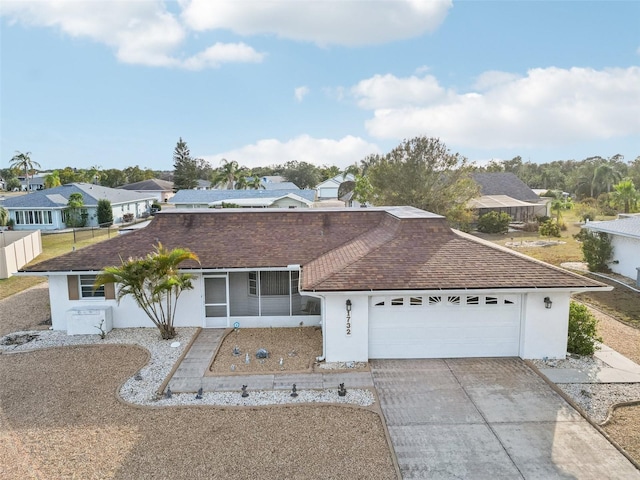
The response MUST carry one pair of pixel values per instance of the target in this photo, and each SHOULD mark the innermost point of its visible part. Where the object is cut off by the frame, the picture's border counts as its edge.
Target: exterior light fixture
(348, 306)
(547, 302)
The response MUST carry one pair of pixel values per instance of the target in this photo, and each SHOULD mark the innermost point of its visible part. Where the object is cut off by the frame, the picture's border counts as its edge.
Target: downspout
(323, 313)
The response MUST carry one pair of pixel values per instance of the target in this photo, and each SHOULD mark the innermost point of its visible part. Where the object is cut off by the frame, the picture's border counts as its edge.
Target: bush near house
(583, 335)
(105, 213)
(550, 228)
(494, 222)
(596, 249)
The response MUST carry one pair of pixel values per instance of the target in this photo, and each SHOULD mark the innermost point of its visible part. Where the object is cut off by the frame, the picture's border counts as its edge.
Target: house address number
(348, 325)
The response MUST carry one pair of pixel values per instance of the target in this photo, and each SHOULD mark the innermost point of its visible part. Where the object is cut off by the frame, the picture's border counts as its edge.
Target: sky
(115, 83)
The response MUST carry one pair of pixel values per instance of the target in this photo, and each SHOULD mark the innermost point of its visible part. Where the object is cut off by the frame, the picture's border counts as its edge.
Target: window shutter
(110, 291)
(72, 284)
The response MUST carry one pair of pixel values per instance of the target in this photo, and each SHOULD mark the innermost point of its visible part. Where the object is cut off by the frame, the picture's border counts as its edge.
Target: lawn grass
(621, 303)
(53, 245)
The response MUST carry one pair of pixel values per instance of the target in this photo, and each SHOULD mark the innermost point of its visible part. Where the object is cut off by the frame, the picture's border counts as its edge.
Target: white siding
(626, 251)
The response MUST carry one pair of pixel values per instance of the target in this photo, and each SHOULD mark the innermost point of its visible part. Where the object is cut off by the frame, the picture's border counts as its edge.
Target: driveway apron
(487, 419)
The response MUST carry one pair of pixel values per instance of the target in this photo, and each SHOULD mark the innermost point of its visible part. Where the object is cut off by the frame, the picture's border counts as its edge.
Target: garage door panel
(445, 331)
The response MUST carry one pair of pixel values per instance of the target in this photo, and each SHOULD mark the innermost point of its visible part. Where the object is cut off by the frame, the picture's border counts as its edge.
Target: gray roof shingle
(627, 227)
(58, 197)
(503, 183)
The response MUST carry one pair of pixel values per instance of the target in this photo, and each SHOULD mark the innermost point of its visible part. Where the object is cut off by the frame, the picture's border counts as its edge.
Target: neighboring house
(625, 239)
(162, 190)
(328, 190)
(203, 185)
(36, 182)
(280, 186)
(382, 282)
(505, 192)
(292, 198)
(46, 209)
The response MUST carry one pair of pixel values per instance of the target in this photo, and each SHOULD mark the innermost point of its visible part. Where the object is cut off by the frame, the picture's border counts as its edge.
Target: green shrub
(596, 249)
(494, 222)
(105, 213)
(583, 330)
(550, 228)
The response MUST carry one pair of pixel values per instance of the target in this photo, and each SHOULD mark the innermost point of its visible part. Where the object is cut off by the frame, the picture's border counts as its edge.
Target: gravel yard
(60, 418)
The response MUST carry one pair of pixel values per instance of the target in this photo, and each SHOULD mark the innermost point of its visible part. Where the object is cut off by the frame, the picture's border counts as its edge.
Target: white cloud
(354, 22)
(547, 107)
(140, 32)
(386, 91)
(301, 92)
(319, 151)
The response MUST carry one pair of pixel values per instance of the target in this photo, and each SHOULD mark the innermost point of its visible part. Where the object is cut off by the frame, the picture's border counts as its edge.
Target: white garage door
(444, 326)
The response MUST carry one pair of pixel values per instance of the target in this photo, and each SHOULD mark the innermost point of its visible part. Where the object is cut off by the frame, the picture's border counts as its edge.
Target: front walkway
(190, 374)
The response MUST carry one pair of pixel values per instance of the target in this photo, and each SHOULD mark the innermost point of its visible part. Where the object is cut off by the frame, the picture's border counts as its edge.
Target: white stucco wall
(341, 347)
(626, 251)
(544, 330)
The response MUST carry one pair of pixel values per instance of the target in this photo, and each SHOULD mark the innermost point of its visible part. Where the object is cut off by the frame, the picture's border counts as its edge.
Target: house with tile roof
(625, 240)
(162, 190)
(505, 192)
(262, 198)
(382, 282)
(45, 209)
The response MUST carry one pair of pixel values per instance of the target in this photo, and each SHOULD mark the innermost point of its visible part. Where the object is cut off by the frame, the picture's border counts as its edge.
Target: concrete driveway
(487, 419)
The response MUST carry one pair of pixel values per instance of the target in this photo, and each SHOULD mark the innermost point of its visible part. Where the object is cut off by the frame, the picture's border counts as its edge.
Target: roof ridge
(375, 243)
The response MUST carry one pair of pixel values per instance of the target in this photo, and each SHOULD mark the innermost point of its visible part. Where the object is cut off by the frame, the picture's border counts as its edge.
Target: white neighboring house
(328, 190)
(382, 282)
(262, 198)
(162, 190)
(625, 239)
(45, 209)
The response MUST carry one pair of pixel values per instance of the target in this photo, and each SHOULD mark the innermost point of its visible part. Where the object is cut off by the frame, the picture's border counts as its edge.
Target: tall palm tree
(22, 161)
(4, 216)
(154, 282)
(605, 176)
(227, 174)
(625, 194)
(241, 183)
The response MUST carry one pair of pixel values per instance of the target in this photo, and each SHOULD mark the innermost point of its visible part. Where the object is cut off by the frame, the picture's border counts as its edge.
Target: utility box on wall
(89, 320)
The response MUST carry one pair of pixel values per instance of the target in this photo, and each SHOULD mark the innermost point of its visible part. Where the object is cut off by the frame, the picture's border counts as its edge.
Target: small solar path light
(294, 391)
(244, 391)
(341, 390)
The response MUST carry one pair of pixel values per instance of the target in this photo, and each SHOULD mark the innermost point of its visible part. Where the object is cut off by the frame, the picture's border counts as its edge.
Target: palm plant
(154, 282)
(227, 174)
(4, 216)
(255, 183)
(604, 177)
(241, 183)
(22, 161)
(52, 180)
(625, 194)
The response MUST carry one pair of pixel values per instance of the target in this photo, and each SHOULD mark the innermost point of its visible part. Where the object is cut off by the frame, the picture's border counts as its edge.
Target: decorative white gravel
(142, 391)
(594, 398)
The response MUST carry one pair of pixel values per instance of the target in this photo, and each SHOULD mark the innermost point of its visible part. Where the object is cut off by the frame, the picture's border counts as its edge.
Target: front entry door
(216, 305)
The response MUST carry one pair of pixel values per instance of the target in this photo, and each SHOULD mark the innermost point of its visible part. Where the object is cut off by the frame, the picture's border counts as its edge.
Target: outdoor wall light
(547, 302)
(348, 306)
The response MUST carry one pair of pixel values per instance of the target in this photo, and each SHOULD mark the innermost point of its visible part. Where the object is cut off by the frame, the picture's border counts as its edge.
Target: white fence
(17, 248)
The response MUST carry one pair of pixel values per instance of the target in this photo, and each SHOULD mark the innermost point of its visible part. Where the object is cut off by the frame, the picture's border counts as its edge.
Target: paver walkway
(488, 419)
(190, 374)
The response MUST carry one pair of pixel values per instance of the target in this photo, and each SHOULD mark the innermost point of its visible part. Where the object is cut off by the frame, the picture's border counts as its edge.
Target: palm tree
(625, 194)
(241, 183)
(23, 161)
(52, 180)
(227, 174)
(4, 216)
(154, 282)
(255, 183)
(604, 177)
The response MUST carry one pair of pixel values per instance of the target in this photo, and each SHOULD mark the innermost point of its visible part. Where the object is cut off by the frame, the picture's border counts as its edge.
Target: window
(435, 300)
(274, 283)
(491, 301)
(294, 282)
(253, 283)
(34, 217)
(86, 287)
(473, 300)
(397, 301)
(415, 301)
(453, 300)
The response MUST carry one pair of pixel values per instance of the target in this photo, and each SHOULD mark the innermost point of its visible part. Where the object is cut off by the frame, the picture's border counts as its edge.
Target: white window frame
(85, 287)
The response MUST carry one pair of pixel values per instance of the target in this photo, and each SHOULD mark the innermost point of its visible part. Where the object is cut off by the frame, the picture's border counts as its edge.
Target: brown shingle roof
(392, 248)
